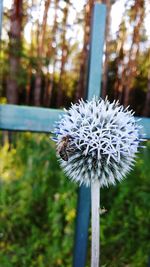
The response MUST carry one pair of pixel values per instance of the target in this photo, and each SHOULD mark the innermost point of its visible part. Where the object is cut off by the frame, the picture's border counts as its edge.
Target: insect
(64, 149)
(102, 211)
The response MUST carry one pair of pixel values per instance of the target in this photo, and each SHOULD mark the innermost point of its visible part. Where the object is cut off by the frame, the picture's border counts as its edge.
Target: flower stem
(95, 199)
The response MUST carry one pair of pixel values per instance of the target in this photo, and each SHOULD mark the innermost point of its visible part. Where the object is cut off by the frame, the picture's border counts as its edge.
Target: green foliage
(125, 227)
(38, 208)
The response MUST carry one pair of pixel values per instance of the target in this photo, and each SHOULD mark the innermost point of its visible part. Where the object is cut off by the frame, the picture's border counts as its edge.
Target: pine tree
(137, 13)
(15, 35)
(41, 31)
(64, 54)
(81, 87)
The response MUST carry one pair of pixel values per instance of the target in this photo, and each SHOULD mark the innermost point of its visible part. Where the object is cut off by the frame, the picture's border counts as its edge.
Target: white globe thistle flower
(97, 140)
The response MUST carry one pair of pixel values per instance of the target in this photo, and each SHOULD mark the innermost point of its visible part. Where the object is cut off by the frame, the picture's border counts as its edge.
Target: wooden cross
(24, 118)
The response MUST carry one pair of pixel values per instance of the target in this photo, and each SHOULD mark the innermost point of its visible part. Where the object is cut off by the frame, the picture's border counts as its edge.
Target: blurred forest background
(45, 47)
(44, 62)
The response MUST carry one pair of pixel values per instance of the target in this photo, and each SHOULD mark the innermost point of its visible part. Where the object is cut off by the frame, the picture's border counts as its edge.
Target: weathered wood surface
(93, 89)
(23, 118)
(96, 51)
(145, 122)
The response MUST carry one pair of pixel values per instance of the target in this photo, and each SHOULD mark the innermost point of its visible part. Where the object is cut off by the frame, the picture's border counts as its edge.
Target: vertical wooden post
(96, 51)
(82, 225)
(93, 88)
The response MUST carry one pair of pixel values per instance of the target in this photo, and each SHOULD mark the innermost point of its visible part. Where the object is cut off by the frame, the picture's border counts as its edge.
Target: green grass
(38, 209)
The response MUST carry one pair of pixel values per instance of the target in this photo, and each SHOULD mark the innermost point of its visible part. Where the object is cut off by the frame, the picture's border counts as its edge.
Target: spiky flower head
(97, 140)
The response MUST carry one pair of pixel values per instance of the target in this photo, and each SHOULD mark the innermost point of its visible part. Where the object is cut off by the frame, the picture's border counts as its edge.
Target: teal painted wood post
(96, 52)
(1, 15)
(93, 88)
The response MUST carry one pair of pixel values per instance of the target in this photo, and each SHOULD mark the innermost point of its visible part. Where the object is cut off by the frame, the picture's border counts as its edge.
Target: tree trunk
(107, 39)
(120, 66)
(64, 56)
(40, 54)
(29, 70)
(37, 92)
(14, 51)
(131, 68)
(81, 87)
(51, 55)
(43, 30)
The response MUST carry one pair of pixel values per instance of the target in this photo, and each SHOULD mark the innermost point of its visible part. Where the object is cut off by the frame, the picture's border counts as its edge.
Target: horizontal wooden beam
(145, 122)
(24, 118)
(35, 119)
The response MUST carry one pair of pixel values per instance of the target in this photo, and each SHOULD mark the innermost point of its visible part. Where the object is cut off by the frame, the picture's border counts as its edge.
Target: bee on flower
(97, 140)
